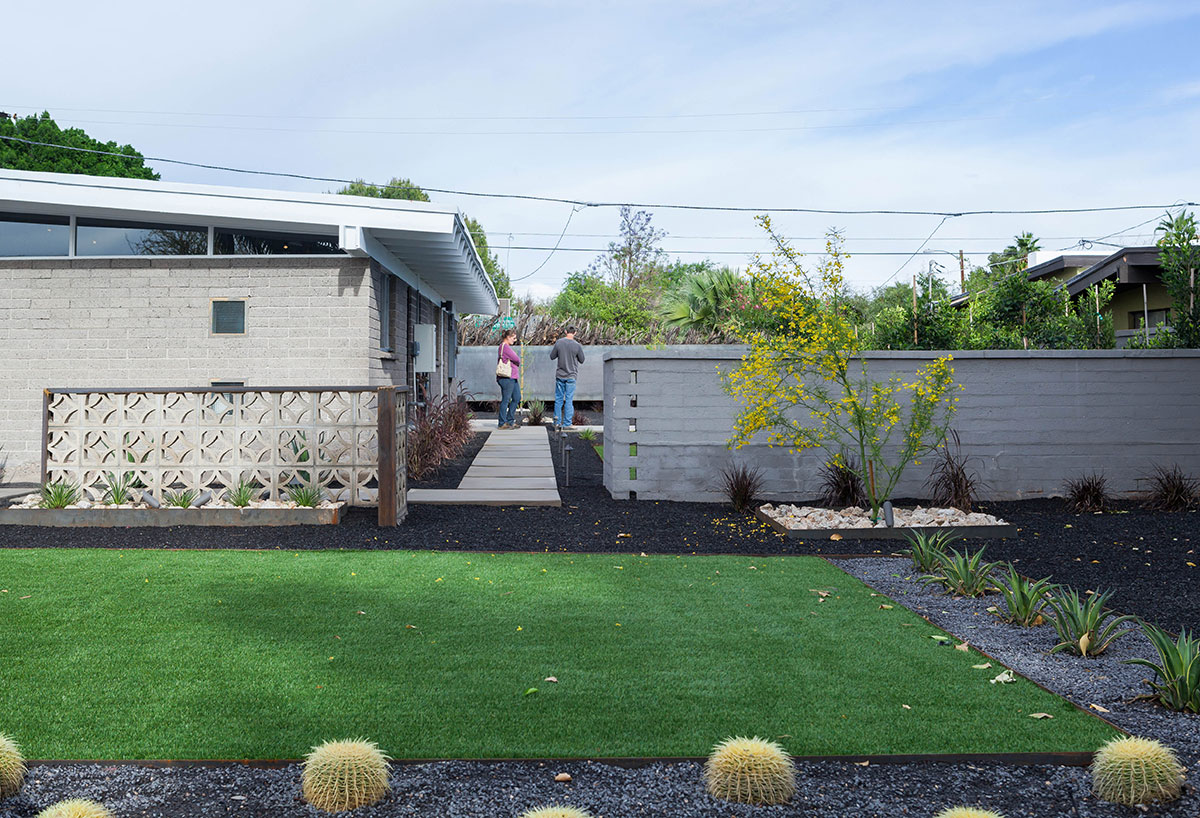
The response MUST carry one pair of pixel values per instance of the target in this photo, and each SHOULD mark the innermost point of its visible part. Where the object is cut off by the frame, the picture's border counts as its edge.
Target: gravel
(504, 790)
(1104, 680)
(450, 473)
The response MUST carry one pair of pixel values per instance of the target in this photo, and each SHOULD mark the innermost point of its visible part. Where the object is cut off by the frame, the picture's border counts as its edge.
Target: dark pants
(510, 397)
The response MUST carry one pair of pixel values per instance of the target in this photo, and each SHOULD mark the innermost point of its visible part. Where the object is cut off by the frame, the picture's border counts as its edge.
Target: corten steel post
(386, 414)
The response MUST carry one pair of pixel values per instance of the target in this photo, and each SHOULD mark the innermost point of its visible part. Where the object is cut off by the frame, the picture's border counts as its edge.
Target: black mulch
(450, 473)
(1142, 555)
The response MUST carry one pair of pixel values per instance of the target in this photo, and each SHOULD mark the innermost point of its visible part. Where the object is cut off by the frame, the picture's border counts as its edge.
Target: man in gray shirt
(569, 354)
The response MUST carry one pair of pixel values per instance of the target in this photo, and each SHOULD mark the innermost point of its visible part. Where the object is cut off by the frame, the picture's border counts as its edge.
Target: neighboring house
(108, 282)
(1140, 293)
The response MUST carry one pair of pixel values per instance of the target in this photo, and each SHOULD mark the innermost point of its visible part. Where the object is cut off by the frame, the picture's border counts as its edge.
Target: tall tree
(636, 259)
(1179, 257)
(1014, 257)
(21, 156)
(401, 188)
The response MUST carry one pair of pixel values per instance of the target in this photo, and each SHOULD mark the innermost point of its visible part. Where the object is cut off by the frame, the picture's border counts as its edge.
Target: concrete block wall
(1029, 420)
(146, 322)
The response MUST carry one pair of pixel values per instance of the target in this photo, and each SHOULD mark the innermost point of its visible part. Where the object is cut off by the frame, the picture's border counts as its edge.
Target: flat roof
(425, 244)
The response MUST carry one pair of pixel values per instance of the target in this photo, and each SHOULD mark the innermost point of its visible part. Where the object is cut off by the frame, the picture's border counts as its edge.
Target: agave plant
(118, 491)
(1177, 670)
(243, 494)
(926, 550)
(305, 496)
(588, 435)
(963, 573)
(1080, 622)
(1025, 600)
(59, 494)
(184, 498)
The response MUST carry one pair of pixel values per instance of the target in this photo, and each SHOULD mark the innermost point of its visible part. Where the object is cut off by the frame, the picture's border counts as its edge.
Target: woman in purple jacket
(510, 387)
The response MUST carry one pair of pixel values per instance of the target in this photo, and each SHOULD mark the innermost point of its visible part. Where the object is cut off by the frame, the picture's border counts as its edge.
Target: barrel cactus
(557, 811)
(344, 775)
(1134, 771)
(967, 812)
(12, 767)
(76, 808)
(750, 771)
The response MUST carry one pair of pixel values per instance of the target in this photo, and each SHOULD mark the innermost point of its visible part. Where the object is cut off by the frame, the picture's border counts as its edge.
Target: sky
(935, 106)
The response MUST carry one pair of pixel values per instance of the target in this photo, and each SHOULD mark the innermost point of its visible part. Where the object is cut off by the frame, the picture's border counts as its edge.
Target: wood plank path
(514, 468)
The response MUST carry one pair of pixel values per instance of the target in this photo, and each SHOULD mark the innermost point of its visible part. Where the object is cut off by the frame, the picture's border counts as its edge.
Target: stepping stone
(504, 483)
(485, 497)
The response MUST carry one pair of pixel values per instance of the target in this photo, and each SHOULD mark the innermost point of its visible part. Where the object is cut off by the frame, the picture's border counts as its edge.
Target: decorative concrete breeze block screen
(210, 439)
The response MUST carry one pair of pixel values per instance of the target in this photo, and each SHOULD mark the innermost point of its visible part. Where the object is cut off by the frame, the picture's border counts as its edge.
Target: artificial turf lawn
(245, 654)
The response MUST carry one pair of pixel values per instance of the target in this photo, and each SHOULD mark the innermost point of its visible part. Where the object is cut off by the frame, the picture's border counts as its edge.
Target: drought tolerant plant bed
(451, 472)
(459, 789)
(238, 654)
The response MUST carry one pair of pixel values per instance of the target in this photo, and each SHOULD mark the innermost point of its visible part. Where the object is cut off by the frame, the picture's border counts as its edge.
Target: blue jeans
(510, 397)
(564, 401)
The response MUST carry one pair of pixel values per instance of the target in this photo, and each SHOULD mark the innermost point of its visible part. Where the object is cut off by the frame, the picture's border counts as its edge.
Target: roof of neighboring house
(427, 245)
(1131, 265)
(1060, 263)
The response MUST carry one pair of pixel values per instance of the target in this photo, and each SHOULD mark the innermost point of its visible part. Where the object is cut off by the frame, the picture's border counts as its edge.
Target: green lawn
(235, 654)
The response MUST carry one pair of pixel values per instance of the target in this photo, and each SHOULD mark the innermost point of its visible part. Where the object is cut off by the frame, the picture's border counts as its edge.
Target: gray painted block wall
(1030, 420)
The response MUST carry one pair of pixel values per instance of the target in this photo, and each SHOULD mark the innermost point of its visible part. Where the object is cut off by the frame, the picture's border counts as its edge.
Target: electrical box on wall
(425, 359)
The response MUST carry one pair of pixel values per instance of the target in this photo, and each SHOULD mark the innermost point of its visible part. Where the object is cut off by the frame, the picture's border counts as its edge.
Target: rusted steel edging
(1063, 759)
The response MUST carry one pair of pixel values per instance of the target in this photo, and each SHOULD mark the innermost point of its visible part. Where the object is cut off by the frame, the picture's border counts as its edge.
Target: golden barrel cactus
(76, 808)
(345, 775)
(12, 767)
(750, 771)
(1134, 771)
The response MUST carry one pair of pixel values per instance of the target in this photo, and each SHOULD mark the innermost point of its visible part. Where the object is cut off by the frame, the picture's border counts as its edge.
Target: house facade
(120, 283)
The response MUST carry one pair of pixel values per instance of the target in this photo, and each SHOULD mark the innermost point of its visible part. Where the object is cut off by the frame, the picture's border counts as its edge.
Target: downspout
(1145, 316)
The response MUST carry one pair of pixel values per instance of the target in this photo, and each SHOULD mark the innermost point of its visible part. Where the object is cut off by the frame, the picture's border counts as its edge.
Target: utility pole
(962, 271)
(914, 310)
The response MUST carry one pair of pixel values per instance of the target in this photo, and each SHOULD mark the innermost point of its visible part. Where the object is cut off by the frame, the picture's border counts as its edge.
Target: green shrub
(243, 494)
(967, 812)
(344, 775)
(927, 550)
(556, 811)
(750, 771)
(1177, 671)
(184, 498)
(1080, 623)
(963, 573)
(76, 808)
(1134, 771)
(12, 767)
(305, 496)
(59, 494)
(118, 491)
(1025, 600)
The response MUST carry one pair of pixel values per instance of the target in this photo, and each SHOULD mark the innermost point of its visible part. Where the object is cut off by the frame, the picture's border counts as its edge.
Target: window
(384, 306)
(34, 235)
(1137, 318)
(262, 243)
(228, 317)
(101, 237)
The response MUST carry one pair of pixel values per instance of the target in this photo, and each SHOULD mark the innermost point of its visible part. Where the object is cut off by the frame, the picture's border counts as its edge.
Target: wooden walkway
(514, 468)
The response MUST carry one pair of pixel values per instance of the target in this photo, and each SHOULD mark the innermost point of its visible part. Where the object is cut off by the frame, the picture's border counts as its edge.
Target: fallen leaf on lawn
(937, 637)
(1099, 708)
(984, 666)
(361, 613)
(531, 691)
(27, 596)
(887, 607)
(1004, 678)
(335, 636)
(550, 679)
(563, 777)
(964, 646)
(906, 707)
(821, 594)
(410, 627)
(1040, 716)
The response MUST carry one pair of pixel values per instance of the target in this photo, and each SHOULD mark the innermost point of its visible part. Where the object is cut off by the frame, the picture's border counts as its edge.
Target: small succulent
(1134, 771)
(243, 494)
(1025, 600)
(587, 435)
(305, 496)
(76, 808)
(963, 573)
(750, 771)
(59, 494)
(12, 767)
(927, 550)
(1177, 670)
(118, 491)
(967, 812)
(184, 498)
(1080, 623)
(556, 811)
(344, 775)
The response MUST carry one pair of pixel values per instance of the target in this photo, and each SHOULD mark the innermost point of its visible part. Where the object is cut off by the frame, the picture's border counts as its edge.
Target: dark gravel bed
(450, 473)
(478, 790)
(1104, 681)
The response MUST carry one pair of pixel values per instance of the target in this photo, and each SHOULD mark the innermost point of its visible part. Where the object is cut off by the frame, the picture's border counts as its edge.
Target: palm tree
(704, 301)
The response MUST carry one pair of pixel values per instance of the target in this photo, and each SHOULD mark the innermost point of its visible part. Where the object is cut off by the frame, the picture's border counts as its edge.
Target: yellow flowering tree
(805, 388)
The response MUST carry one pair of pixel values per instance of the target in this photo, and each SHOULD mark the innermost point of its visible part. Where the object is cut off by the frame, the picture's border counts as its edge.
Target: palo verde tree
(636, 259)
(1179, 258)
(23, 156)
(401, 188)
(809, 367)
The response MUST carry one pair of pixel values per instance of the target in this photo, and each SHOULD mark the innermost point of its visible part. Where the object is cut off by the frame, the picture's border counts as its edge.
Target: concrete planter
(99, 516)
(896, 533)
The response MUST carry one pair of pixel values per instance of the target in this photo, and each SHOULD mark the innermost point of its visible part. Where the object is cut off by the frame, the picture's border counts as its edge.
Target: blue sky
(925, 105)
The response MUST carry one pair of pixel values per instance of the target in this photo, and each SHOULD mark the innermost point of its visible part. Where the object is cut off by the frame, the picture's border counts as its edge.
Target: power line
(553, 250)
(645, 205)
